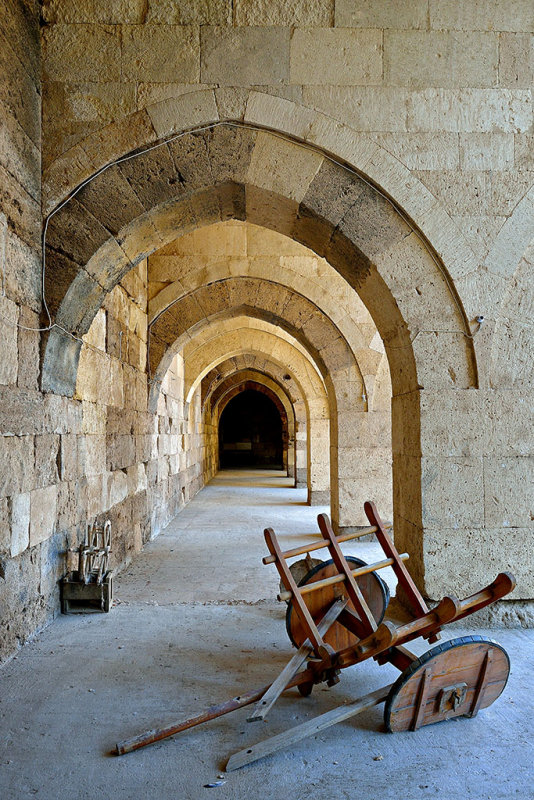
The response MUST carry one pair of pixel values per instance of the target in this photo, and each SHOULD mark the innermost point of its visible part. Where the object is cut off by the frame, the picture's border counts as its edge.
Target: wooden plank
(213, 712)
(351, 587)
(422, 696)
(298, 603)
(322, 543)
(278, 686)
(313, 587)
(413, 595)
(309, 728)
(399, 656)
(481, 684)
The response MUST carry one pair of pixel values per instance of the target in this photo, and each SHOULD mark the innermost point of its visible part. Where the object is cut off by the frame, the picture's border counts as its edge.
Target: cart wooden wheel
(455, 679)
(299, 569)
(373, 588)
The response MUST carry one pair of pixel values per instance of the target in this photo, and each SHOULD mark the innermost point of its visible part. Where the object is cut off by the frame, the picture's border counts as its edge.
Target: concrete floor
(195, 623)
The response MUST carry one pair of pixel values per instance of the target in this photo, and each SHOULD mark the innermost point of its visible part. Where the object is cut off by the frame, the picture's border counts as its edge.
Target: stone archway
(276, 377)
(224, 391)
(260, 389)
(232, 172)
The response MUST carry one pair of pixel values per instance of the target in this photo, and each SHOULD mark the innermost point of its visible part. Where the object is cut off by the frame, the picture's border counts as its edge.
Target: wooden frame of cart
(335, 618)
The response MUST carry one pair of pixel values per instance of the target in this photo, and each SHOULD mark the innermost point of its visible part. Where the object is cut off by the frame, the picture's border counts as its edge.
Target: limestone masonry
(330, 202)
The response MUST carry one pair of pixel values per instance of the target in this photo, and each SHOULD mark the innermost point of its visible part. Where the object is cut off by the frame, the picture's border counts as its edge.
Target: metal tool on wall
(89, 588)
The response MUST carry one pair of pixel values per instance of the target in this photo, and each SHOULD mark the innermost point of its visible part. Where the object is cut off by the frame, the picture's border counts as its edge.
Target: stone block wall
(66, 462)
(438, 95)
(30, 424)
(437, 91)
(444, 86)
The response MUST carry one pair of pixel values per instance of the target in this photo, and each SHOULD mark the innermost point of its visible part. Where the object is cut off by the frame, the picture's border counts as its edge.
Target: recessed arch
(334, 213)
(259, 389)
(260, 370)
(255, 175)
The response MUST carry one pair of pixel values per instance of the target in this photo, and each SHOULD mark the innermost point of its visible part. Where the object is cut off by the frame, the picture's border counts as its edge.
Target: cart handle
(308, 548)
(312, 587)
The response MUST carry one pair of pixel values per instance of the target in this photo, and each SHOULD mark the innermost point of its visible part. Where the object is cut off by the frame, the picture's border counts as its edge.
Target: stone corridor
(196, 623)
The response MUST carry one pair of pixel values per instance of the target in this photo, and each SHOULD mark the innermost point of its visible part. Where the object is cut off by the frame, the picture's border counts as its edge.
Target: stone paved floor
(195, 624)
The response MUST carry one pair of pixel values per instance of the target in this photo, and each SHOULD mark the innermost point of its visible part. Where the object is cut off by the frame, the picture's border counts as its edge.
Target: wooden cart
(335, 618)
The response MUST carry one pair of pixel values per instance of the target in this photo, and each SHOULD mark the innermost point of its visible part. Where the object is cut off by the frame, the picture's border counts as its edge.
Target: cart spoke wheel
(373, 588)
(455, 679)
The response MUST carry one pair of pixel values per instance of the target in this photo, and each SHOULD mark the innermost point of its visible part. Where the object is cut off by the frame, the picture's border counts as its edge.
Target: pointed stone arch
(344, 215)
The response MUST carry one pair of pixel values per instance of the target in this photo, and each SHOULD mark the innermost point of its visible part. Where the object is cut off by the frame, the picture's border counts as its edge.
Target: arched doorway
(250, 433)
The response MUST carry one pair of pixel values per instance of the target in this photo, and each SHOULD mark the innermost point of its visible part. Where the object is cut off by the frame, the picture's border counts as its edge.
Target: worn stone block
(21, 210)
(117, 488)
(508, 423)
(461, 562)
(301, 13)
(452, 492)
(516, 60)
(483, 15)
(85, 297)
(140, 238)
(20, 523)
(244, 56)
(168, 220)
(114, 140)
(152, 176)
(5, 525)
(364, 108)
(416, 59)
(82, 53)
(509, 492)
(120, 452)
(486, 151)
(21, 412)
(96, 195)
(28, 349)
(23, 273)
(108, 12)
(450, 424)
(381, 14)
(18, 89)
(9, 315)
(116, 397)
(91, 455)
(331, 195)
(422, 150)
(96, 493)
(230, 150)
(75, 232)
(372, 224)
(189, 12)
(524, 152)
(68, 459)
(96, 335)
(135, 287)
(46, 459)
(160, 53)
(282, 167)
(150, 94)
(20, 25)
(18, 154)
(336, 56)
(42, 514)
(470, 110)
